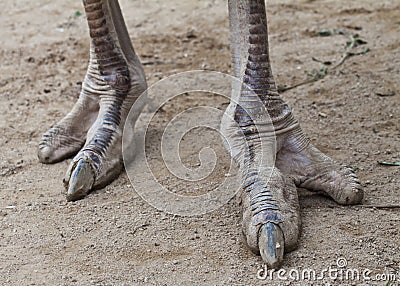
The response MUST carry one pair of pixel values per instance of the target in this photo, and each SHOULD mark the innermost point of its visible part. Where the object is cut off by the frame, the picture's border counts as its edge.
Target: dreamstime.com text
(338, 272)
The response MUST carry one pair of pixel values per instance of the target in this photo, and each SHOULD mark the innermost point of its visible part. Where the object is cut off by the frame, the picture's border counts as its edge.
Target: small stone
(385, 92)
(191, 34)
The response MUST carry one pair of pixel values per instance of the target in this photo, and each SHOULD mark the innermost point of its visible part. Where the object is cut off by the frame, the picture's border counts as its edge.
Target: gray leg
(114, 80)
(271, 219)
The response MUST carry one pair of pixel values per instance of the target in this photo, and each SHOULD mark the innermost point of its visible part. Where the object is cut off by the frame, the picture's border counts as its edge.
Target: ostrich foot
(114, 80)
(100, 160)
(271, 218)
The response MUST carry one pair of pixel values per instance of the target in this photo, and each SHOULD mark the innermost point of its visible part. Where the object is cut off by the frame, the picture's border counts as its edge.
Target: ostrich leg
(114, 80)
(271, 219)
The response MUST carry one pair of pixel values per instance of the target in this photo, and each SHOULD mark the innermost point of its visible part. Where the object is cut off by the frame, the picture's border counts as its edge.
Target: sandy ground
(113, 237)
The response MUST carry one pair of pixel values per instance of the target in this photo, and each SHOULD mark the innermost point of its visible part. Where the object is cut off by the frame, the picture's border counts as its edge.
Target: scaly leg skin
(115, 79)
(271, 218)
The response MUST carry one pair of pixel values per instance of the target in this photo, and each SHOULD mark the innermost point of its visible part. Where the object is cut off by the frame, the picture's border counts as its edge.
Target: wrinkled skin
(92, 131)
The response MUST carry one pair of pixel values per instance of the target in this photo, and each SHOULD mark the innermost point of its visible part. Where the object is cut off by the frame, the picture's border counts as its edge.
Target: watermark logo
(339, 272)
(201, 117)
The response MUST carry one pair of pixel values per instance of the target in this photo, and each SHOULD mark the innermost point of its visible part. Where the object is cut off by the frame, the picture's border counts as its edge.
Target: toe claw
(271, 244)
(81, 180)
(45, 155)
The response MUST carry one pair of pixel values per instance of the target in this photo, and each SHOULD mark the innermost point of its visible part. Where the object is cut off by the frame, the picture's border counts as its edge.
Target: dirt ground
(113, 237)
